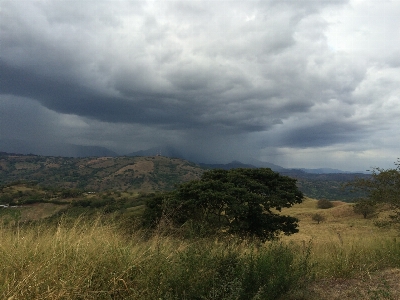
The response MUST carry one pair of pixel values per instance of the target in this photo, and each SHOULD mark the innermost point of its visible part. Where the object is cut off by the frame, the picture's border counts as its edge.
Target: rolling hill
(99, 173)
(147, 174)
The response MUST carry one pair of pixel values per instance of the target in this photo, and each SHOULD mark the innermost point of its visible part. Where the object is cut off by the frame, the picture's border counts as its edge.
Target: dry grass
(341, 224)
(39, 211)
(66, 262)
(353, 258)
(379, 285)
(93, 260)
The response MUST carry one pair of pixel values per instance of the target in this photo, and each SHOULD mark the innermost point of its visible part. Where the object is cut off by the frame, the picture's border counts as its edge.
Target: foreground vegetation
(94, 260)
(94, 246)
(107, 257)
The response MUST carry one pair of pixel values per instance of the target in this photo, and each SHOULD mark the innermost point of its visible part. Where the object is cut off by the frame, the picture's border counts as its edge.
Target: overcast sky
(297, 83)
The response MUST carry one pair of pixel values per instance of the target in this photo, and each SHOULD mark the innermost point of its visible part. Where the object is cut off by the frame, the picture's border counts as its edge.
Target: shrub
(365, 207)
(324, 204)
(382, 187)
(318, 218)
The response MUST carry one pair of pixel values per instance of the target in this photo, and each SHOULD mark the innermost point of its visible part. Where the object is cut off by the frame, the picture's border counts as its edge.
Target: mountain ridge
(72, 150)
(146, 174)
(139, 174)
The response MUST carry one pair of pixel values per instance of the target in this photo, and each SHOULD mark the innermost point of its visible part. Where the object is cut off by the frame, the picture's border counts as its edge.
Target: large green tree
(245, 202)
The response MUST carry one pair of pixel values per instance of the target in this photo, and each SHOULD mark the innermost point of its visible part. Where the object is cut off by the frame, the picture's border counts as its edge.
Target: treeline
(26, 192)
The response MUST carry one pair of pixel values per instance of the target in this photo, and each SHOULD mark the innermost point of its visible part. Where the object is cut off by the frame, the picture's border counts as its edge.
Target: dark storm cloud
(281, 73)
(174, 112)
(185, 94)
(25, 119)
(320, 135)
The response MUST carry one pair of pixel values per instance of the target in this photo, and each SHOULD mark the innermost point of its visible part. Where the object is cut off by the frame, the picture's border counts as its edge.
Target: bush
(365, 207)
(318, 218)
(324, 204)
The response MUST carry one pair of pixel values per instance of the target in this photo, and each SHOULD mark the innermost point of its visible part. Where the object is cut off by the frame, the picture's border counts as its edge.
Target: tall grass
(345, 245)
(355, 257)
(93, 260)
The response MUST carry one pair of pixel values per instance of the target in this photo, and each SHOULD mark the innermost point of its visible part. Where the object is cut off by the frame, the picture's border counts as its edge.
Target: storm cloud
(281, 81)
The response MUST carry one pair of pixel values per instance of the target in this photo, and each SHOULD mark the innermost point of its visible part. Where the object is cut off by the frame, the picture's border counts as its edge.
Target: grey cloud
(181, 68)
(320, 135)
(26, 120)
(392, 60)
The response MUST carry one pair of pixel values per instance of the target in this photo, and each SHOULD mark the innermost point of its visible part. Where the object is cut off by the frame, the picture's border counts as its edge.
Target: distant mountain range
(148, 174)
(238, 164)
(324, 171)
(166, 151)
(71, 150)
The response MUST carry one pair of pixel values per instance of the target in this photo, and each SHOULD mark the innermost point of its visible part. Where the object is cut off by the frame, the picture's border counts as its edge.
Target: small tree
(244, 202)
(324, 204)
(318, 218)
(365, 207)
(383, 187)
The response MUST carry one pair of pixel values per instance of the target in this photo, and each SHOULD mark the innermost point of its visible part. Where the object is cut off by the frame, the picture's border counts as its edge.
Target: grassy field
(352, 258)
(344, 257)
(94, 260)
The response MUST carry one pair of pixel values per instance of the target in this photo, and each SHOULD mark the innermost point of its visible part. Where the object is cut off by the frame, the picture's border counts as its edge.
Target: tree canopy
(365, 207)
(240, 201)
(383, 187)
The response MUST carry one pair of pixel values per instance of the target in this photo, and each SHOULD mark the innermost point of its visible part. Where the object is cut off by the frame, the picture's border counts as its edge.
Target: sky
(292, 82)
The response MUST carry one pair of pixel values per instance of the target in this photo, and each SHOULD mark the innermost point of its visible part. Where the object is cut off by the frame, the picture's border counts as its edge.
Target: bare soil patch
(101, 162)
(124, 169)
(144, 166)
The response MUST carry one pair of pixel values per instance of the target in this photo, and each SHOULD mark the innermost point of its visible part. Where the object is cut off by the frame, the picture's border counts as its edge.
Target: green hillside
(143, 174)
